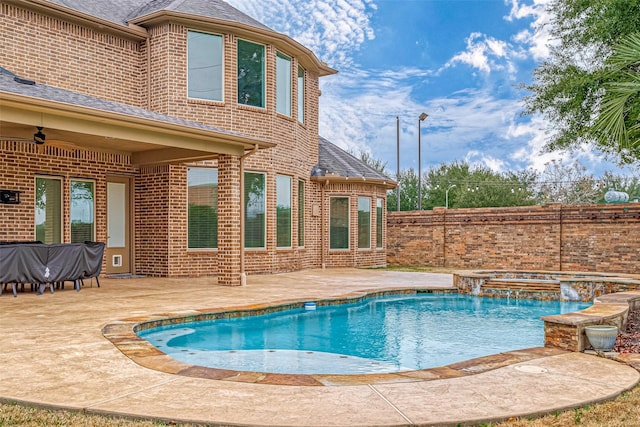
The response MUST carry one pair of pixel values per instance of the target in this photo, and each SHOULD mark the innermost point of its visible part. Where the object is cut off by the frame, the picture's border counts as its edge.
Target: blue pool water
(377, 335)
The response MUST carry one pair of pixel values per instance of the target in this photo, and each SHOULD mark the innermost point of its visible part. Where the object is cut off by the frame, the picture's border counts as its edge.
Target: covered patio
(62, 134)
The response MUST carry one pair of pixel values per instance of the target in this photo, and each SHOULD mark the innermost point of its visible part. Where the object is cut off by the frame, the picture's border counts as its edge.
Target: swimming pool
(376, 335)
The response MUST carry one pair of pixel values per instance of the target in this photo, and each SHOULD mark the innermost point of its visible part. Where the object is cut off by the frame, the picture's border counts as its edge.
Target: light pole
(446, 195)
(420, 119)
(398, 159)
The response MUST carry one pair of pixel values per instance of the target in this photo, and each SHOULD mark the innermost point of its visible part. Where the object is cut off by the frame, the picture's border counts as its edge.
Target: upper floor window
(283, 84)
(251, 74)
(204, 64)
(202, 216)
(301, 94)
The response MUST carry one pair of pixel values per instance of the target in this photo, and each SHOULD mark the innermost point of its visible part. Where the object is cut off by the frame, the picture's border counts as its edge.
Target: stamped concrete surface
(54, 354)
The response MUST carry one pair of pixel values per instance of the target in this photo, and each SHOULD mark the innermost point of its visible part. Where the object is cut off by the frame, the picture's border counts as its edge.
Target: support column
(229, 216)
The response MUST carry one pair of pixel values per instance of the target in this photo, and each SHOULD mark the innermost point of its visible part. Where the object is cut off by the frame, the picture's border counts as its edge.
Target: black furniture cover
(39, 263)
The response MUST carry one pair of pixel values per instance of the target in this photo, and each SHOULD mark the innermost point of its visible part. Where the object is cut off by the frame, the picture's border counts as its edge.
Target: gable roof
(123, 11)
(335, 164)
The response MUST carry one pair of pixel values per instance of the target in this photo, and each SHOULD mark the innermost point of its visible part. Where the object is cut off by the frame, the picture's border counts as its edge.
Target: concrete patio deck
(54, 354)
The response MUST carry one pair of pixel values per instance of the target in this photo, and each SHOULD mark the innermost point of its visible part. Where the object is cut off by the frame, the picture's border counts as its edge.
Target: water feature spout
(475, 287)
(567, 293)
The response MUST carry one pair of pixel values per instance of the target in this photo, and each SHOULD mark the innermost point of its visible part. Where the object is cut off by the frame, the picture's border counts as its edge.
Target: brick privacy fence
(555, 237)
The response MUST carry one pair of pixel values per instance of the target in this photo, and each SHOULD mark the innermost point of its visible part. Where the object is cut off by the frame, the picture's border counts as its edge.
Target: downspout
(243, 275)
(322, 226)
(148, 41)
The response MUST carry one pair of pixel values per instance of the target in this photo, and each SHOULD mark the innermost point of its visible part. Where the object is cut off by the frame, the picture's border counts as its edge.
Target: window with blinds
(283, 211)
(83, 220)
(254, 210)
(379, 224)
(339, 223)
(48, 210)
(300, 213)
(202, 215)
(364, 223)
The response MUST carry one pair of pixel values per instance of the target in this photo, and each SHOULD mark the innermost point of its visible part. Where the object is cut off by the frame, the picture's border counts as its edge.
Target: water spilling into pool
(377, 335)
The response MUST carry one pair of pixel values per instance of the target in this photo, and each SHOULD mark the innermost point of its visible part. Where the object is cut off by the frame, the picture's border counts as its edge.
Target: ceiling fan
(39, 138)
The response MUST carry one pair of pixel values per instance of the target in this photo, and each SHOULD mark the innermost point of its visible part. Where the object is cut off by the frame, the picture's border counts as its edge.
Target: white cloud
(459, 126)
(479, 158)
(475, 55)
(536, 39)
(358, 108)
(486, 54)
(332, 29)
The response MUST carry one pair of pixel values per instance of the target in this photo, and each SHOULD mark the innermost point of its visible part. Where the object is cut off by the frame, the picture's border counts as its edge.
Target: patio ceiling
(148, 140)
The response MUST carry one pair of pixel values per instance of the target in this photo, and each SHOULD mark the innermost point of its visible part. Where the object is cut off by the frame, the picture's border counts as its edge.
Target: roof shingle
(123, 11)
(11, 83)
(332, 160)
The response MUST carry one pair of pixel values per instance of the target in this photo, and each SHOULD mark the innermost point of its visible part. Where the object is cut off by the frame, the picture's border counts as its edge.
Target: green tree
(618, 121)
(474, 187)
(568, 87)
(408, 185)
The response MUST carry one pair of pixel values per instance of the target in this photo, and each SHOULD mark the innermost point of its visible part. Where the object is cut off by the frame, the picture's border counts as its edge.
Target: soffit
(146, 141)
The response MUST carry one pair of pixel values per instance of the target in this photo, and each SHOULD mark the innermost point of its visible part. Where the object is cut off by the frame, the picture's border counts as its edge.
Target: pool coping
(122, 334)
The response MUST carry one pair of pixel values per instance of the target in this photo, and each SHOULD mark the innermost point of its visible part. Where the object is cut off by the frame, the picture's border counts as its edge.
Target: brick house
(183, 134)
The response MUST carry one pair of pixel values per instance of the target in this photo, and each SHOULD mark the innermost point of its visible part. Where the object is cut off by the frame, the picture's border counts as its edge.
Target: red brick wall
(354, 256)
(84, 59)
(70, 56)
(152, 221)
(22, 162)
(555, 237)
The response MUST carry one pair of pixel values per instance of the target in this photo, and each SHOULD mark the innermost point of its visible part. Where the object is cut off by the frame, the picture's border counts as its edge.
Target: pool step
(528, 285)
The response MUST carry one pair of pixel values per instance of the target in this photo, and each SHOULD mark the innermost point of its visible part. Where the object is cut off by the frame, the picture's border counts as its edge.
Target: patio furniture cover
(39, 263)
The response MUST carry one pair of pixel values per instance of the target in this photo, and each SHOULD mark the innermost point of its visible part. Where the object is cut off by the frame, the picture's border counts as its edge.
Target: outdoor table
(41, 264)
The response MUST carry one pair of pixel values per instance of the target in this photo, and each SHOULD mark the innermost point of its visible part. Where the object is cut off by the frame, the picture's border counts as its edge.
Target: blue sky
(460, 61)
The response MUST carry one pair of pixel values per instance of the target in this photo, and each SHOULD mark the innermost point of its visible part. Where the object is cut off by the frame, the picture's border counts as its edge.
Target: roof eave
(337, 179)
(53, 9)
(306, 57)
(74, 118)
